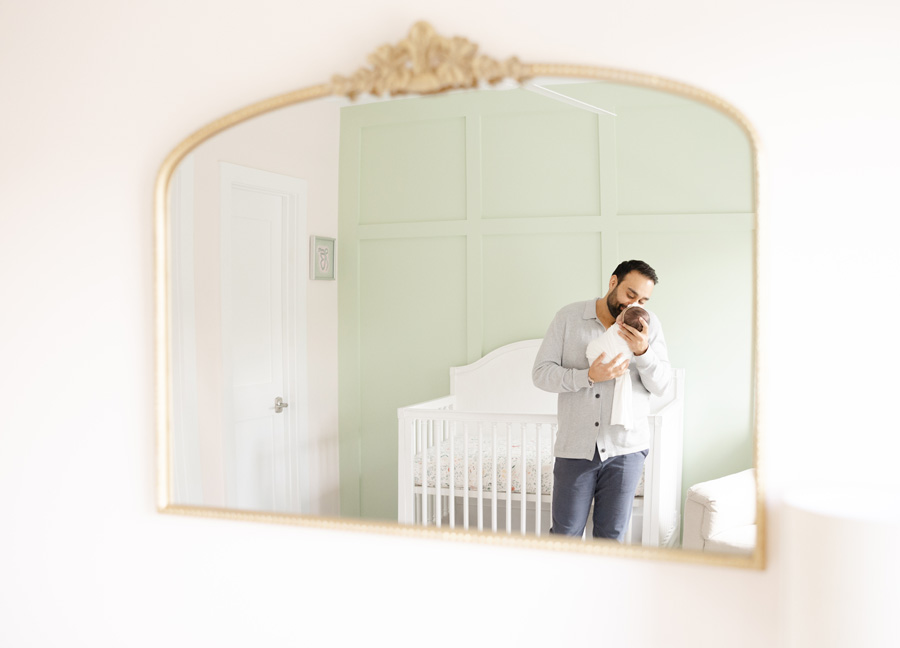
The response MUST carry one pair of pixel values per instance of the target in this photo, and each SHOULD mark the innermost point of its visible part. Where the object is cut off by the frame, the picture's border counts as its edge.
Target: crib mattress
(505, 468)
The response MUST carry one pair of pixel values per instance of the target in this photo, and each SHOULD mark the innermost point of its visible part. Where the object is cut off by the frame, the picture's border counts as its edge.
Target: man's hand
(636, 340)
(601, 371)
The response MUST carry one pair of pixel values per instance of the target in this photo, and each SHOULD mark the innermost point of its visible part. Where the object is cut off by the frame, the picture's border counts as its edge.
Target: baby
(612, 344)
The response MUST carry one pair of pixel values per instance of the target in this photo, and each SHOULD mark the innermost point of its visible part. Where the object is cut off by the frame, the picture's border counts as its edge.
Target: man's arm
(548, 373)
(653, 365)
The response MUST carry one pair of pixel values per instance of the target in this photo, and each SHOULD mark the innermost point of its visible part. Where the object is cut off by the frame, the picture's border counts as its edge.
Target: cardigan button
(597, 424)
(596, 395)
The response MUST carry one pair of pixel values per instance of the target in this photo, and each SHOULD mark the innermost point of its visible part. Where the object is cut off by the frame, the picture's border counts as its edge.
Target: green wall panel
(413, 171)
(681, 160)
(412, 329)
(528, 277)
(540, 164)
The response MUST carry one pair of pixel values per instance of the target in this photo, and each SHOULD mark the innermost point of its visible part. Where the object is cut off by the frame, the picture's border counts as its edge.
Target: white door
(262, 302)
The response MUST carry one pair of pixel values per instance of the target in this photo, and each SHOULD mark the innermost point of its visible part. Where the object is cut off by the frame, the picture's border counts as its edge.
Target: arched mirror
(354, 281)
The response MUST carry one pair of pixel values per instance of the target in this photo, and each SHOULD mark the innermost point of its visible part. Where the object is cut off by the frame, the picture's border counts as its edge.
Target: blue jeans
(609, 484)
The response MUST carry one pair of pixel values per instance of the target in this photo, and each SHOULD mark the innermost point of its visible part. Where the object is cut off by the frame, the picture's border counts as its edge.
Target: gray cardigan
(584, 411)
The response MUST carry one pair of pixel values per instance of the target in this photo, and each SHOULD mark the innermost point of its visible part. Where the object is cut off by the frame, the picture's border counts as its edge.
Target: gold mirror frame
(427, 63)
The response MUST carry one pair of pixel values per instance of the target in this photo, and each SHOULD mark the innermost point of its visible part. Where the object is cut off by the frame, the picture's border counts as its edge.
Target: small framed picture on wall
(321, 257)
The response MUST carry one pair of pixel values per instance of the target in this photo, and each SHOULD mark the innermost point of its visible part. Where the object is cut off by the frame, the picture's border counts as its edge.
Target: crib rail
(460, 501)
(435, 432)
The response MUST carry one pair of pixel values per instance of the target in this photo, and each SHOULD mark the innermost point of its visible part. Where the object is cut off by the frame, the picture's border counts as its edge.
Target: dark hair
(632, 317)
(625, 267)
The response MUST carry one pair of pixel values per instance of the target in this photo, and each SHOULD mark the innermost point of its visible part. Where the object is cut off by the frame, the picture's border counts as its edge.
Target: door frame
(295, 262)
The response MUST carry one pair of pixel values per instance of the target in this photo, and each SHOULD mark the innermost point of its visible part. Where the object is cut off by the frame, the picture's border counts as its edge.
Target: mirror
(467, 209)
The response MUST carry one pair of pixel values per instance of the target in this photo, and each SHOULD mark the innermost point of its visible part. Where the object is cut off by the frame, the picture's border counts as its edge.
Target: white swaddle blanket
(612, 344)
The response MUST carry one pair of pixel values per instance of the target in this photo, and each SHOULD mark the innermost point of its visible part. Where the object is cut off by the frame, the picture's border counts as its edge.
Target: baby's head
(632, 315)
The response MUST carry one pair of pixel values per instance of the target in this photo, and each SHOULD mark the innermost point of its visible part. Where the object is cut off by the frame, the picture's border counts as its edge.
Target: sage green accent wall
(467, 220)
(668, 161)
(528, 276)
(540, 164)
(394, 289)
(673, 155)
(413, 172)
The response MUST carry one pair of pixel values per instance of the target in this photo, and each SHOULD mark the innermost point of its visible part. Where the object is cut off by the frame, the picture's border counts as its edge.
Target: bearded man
(596, 461)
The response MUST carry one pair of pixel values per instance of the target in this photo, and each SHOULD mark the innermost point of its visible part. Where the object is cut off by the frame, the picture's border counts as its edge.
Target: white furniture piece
(491, 441)
(720, 514)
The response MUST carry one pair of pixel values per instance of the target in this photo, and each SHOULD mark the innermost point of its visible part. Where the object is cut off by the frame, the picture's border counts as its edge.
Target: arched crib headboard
(501, 382)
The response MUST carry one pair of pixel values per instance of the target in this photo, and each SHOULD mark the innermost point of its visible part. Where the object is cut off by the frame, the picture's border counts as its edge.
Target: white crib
(482, 456)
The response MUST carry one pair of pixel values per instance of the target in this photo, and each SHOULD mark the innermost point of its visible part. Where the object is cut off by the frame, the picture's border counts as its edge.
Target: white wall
(94, 94)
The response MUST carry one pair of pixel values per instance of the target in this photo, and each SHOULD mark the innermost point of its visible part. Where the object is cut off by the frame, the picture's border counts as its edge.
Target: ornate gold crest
(426, 63)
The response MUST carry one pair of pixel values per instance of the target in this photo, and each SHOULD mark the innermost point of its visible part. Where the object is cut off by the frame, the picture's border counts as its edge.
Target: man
(597, 461)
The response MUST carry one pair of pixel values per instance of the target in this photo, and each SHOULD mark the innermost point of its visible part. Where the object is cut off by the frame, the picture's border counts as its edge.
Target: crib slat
(480, 476)
(415, 445)
(539, 493)
(509, 500)
(494, 477)
(538, 502)
(436, 436)
(445, 499)
(422, 434)
(466, 475)
(452, 503)
(418, 446)
(524, 509)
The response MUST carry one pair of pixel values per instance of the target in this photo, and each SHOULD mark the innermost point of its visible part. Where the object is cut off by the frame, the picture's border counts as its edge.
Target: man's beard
(614, 307)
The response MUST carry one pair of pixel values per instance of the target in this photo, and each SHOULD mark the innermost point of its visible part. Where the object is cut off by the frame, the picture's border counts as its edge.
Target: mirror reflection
(463, 223)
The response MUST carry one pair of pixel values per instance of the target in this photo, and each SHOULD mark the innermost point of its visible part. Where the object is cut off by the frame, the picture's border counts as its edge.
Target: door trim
(295, 257)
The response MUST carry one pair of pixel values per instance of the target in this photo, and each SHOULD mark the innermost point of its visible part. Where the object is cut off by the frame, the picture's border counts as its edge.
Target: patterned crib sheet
(531, 465)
